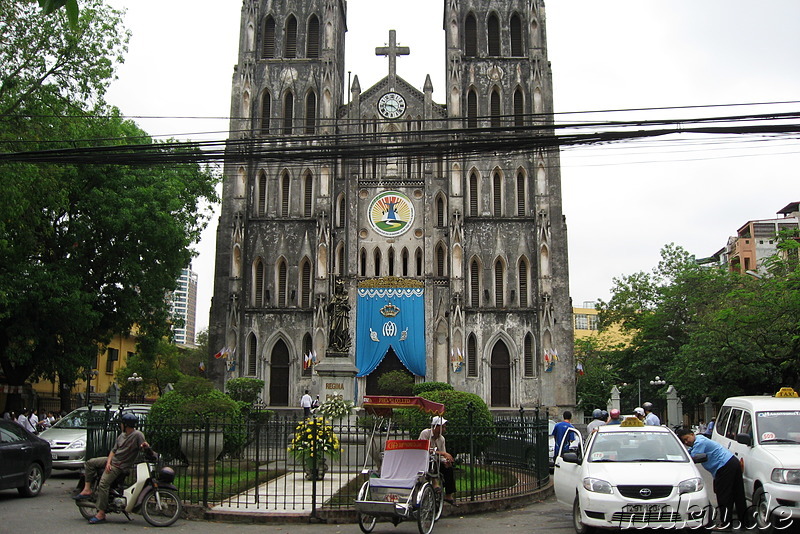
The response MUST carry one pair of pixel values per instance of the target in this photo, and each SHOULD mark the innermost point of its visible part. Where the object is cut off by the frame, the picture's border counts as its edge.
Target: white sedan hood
(642, 473)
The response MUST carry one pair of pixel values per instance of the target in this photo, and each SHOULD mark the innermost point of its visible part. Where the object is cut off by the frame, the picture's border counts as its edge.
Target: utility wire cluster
(435, 138)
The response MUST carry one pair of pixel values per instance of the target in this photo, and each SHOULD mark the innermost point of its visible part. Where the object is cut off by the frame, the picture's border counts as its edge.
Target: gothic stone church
(449, 266)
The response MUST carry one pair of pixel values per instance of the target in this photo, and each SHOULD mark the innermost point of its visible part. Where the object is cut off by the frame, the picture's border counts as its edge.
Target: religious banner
(390, 313)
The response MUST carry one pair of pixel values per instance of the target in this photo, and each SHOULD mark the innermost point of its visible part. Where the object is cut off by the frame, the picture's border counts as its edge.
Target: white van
(764, 433)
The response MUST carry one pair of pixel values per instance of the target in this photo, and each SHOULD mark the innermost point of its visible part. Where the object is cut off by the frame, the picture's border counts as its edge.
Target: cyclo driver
(119, 460)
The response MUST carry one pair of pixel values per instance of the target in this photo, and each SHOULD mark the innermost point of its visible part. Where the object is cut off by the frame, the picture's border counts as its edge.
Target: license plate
(642, 508)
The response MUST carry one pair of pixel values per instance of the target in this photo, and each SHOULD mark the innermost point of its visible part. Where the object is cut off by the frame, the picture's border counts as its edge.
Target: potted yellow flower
(312, 442)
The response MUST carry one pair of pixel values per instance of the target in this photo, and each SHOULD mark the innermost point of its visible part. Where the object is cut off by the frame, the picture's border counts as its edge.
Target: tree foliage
(86, 251)
(708, 331)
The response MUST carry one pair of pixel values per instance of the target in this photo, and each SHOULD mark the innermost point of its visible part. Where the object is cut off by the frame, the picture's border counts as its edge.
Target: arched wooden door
(279, 375)
(500, 375)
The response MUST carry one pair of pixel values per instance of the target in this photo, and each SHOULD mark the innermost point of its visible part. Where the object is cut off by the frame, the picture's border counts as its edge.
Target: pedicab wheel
(426, 509)
(365, 521)
(439, 495)
(168, 511)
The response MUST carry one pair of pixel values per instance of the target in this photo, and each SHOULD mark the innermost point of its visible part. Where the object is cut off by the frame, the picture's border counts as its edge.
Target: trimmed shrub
(245, 389)
(422, 387)
(396, 383)
(458, 432)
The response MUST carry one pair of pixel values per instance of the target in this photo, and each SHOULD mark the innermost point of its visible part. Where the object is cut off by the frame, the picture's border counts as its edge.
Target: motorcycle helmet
(648, 406)
(166, 475)
(603, 415)
(597, 413)
(128, 419)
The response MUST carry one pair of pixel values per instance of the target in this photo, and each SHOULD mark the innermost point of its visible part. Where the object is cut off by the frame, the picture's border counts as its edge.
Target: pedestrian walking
(305, 403)
(559, 430)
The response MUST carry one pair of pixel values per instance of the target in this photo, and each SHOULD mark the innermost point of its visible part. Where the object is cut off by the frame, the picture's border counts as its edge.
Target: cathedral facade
(359, 235)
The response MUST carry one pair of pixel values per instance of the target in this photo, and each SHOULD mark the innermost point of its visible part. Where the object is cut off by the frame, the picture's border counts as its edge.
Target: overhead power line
(456, 140)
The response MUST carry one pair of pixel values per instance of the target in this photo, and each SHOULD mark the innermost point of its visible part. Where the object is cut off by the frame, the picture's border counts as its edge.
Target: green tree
(85, 250)
(156, 369)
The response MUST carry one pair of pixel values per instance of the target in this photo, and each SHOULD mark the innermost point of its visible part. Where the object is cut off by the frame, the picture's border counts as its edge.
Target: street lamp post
(134, 380)
(91, 375)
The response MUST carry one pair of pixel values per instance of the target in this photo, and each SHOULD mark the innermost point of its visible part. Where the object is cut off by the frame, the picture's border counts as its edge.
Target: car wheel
(766, 522)
(34, 480)
(580, 528)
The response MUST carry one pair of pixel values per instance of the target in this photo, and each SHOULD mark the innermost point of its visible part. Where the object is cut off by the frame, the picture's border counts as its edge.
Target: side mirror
(571, 457)
(744, 439)
(700, 458)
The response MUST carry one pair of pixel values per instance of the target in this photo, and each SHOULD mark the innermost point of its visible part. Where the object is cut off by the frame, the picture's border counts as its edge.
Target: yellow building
(585, 324)
(106, 364)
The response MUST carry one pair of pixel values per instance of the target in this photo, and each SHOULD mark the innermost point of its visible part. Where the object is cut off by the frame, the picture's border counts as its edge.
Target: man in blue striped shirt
(727, 473)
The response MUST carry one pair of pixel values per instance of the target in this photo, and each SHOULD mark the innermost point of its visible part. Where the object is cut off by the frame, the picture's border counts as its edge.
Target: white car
(631, 477)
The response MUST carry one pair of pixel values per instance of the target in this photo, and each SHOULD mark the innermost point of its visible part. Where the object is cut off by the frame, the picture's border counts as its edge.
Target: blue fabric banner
(390, 317)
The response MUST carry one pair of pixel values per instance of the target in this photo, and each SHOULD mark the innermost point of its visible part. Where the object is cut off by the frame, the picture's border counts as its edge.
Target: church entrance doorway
(500, 375)
(389, 363)
(279, 375)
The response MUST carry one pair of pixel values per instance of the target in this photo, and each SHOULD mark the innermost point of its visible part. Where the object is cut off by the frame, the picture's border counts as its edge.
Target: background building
(402, 249)
(184, 308)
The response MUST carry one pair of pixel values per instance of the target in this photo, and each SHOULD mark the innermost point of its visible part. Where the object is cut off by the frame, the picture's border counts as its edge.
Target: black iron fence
(276, 465)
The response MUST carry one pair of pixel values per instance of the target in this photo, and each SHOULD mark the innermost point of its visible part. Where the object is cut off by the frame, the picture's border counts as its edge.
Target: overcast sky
(622, 202)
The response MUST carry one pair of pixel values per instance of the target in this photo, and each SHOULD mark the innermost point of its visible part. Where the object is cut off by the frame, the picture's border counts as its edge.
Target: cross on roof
(392, 51)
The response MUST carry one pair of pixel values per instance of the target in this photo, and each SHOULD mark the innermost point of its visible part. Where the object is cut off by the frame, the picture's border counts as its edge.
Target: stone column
(613, 402)
(674, 411)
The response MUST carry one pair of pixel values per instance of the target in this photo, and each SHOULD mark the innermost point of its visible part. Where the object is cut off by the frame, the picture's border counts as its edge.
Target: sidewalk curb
(349, 515)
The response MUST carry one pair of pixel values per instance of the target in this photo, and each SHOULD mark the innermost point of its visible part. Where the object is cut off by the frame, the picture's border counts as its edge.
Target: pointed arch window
(494, 108)
(305, 284)
(440, 212)
(471, 36)
(521, 204)
(376, 259)
(497, 194)
(363, 261)
(268, 45)
(474, 284)
(516, 36)
(307, 348)
(266, 111)
(290, 51)
(390, 258)
(472, 109)
(311, 113)
(283, 272)
(308, 194)
(288, 113)
(473, 194)
(404, 261)
(312, 37)
(252, 355)
(472, 356)
(258, 284)
(285, 194)
(261, 206)
(499, 284)
(519, 108)
(523, 283)
(340, 260)
(441, 261)
(340, 219)
(493, 35)
(528, 356)
(418, 261)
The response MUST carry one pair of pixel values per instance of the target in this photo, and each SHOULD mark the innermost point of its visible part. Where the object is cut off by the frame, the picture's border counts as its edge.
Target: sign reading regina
(391, 213)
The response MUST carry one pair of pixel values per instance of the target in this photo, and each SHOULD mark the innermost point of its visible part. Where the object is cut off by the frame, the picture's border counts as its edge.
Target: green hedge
(422, 387)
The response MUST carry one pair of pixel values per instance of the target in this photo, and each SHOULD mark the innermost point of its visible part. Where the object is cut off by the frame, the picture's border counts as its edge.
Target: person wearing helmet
(435, 434)
(650, 418)
(121, 458)
(598, 421)
(613, 417)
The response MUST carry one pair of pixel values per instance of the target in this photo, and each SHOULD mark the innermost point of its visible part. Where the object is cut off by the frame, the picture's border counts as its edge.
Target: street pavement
(54, 512)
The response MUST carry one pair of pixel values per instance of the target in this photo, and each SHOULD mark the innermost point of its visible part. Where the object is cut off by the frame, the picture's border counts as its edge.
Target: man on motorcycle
(120, 459)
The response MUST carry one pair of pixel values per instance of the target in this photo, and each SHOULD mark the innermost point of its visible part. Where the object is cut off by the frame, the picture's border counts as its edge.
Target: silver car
(67, 437)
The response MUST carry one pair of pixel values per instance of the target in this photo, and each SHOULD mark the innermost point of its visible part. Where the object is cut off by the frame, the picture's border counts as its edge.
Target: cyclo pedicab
(408, 486)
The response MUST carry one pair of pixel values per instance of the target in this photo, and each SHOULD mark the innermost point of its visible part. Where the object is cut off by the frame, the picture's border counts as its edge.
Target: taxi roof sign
(786, 392)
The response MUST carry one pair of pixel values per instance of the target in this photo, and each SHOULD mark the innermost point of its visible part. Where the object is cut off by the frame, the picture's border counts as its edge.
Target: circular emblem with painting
(391, 213)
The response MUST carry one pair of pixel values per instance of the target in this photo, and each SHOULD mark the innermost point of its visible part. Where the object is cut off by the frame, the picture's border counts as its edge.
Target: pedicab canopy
(384, 404)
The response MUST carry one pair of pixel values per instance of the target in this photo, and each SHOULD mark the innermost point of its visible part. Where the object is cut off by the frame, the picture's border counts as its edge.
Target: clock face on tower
(391, 105)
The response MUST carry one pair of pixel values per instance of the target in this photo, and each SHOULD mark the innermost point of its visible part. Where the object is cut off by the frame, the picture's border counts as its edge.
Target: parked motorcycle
(152, 494)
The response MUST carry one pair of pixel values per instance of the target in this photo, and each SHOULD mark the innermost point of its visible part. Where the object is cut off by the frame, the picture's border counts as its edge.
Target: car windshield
(76, 419)
(777, 427)
(638, 446)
